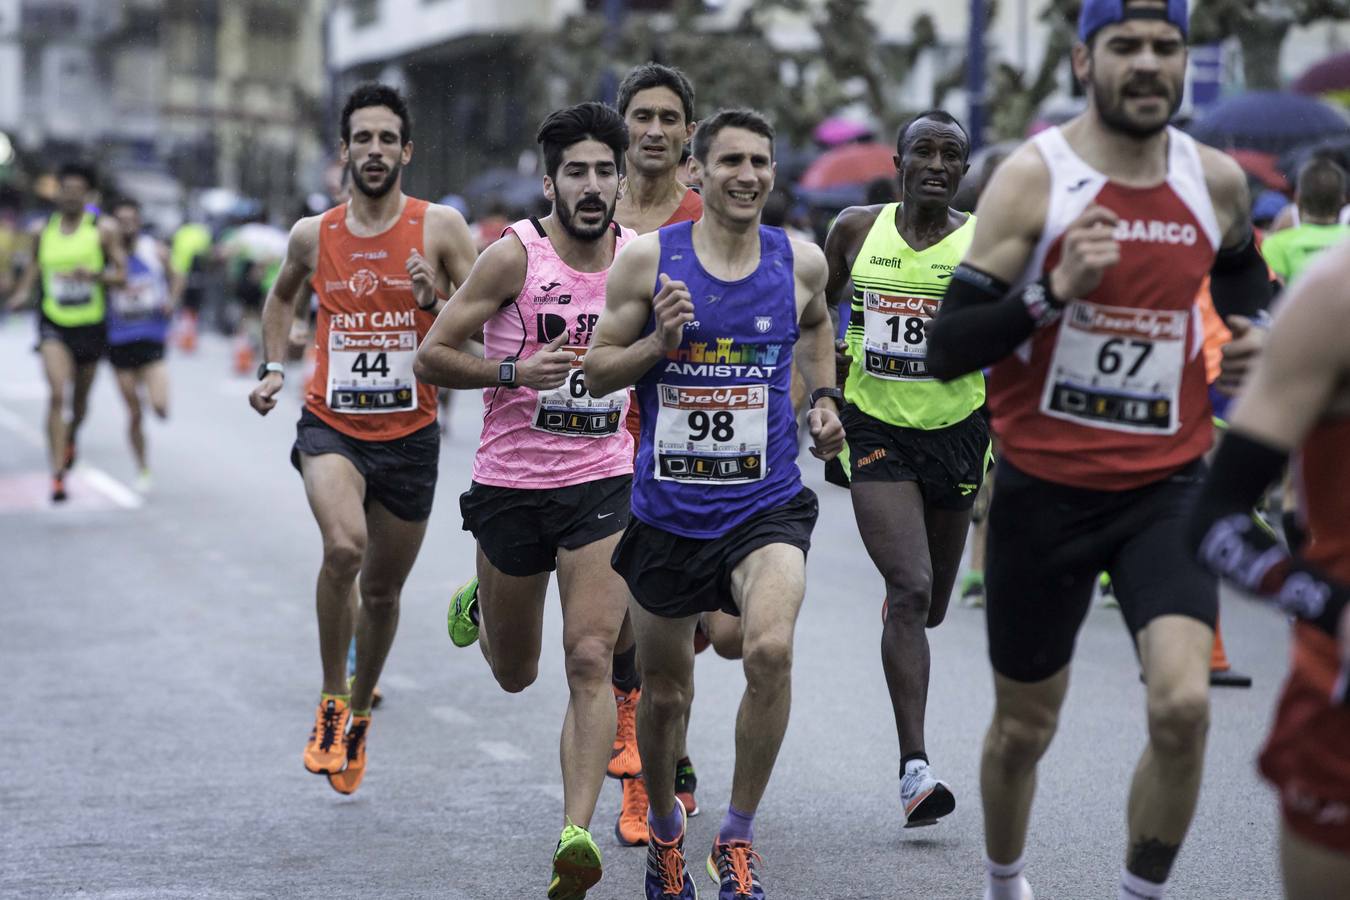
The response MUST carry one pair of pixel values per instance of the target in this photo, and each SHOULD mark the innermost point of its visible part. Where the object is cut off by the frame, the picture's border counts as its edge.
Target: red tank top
(689, 210)
(1112, 395)
(369, 329)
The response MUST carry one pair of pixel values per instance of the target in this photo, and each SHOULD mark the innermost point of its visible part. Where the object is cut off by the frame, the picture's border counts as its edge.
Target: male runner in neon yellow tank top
(77, 257)
(917, 447)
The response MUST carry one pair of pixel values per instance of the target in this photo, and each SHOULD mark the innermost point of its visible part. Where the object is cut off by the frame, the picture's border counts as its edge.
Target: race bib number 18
(895, 345)
(712, 434)
(371, 372)
(571, 410)
(1118, 368)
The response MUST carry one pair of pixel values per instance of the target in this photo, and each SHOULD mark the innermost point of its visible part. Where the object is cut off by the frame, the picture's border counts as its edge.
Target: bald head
(1321, 190)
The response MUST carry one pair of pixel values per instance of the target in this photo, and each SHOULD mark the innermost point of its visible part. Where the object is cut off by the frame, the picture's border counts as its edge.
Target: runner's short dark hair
(1321, 187)
(375, 94)
(650, 75)
(937, 115)
(708, 129)
(75, 169)
(122, 200)
(564, 127)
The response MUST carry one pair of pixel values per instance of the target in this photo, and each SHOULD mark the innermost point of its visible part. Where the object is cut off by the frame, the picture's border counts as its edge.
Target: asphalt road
(162, 664)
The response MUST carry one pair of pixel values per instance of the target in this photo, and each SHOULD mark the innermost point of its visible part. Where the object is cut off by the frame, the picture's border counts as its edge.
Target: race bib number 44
(571, 410)
(371, 372)
(895, 345)
(711, 434)
(1118, 368)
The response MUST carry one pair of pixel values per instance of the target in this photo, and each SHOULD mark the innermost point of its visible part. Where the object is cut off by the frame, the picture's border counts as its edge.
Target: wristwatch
(266, 367)
(833, 393)
(506, 372)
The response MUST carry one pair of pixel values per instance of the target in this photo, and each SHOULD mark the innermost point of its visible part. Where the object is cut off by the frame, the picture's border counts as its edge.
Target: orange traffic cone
(187, 331)
(243, 356)
(1221, 672)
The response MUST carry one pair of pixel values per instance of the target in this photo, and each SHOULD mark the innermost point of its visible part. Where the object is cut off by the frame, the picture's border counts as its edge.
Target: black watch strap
(833, 393)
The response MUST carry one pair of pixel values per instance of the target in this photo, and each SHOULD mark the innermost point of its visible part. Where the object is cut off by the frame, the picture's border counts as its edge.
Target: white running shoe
(144, 483)
(924, 799)
(1024, 895)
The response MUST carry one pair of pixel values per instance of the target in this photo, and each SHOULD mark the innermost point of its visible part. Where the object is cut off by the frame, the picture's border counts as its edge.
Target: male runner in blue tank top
(703, 318)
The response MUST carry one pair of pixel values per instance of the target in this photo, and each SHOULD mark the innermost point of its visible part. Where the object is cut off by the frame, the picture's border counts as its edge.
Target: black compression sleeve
(980, 321)
(1240, 281)
(1229, 543)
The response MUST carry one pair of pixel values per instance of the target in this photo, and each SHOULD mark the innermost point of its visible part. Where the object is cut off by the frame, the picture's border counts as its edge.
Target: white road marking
(27, 433)
(503, 751)
(109, 487)
(401, 683)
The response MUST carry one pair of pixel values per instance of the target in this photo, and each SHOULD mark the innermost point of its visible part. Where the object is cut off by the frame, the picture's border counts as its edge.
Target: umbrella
(1271, 121)
(1330, 76)
(1336, 148)
(850, 164)
(1262, 167)
(838, 130)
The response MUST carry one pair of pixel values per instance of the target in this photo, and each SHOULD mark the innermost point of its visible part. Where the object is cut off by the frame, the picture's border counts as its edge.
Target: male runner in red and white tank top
(657, 104)
(1298, 398)
(1091, 245)
(367, 443)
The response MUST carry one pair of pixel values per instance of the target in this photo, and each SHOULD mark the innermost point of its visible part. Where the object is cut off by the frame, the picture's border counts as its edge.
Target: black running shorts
(86, 343)
(1048, 543)
(135, 354)
(674, 576)
(948, 464)
(520, 530)
(400, 474)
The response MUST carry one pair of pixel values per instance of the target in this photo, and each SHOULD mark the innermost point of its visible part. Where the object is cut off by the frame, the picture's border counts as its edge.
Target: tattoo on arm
(1151, 859)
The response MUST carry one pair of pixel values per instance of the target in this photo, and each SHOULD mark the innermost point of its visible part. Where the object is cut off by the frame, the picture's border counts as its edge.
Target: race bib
(138, 299)
(711, 434)
(69, 291)
(371, 372)
(571, 410)
(1118, 368)
(895, 344)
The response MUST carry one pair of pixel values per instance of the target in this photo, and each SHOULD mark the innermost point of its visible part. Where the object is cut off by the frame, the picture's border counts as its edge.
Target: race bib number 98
(711, 434)
(895, 345)
(1118, 368)
(371, 372)
(571, 410)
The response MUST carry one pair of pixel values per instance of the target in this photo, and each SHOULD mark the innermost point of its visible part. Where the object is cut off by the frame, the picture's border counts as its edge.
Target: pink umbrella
(838, 130)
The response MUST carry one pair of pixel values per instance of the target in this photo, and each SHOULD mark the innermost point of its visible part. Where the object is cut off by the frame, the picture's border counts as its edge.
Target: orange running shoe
(326, 751)
(631, 829)
(349, 779)
(624, 761)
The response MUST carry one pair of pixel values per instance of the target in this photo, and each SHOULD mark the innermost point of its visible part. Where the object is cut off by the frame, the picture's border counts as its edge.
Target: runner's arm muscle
(982, 319)
(455, 251)
(177, 280)
(496, 277)
(619, 354)
(18, 298)
(279, 308)
(1304, 363)
(114, 272)
(841, 243)
(1240, 278)
(815, 346)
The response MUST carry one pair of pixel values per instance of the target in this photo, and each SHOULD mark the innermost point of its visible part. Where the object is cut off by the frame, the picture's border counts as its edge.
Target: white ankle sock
(1132, 887)
(1003, 881)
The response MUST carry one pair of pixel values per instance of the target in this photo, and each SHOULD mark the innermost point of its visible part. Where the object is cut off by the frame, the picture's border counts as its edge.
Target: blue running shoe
(667, 875)
(732, 866)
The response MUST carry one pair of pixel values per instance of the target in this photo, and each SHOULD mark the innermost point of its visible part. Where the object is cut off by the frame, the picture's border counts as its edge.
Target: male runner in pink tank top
(554, 466)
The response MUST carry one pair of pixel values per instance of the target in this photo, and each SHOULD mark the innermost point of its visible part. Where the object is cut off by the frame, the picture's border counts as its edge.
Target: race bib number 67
(711, 434)
(1118, 368)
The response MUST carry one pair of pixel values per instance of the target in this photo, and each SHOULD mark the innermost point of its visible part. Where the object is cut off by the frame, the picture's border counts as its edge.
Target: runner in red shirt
(367, 442)
(1299, 398)
(1080, 284)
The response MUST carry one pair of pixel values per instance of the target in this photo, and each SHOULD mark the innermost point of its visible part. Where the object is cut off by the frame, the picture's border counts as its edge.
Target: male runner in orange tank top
(367, 443)
(1298, 398)
(1079, 286)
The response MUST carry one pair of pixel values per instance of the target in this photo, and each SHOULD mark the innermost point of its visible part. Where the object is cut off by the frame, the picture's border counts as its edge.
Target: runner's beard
(582, 232)
(376, 191)
(1113, 115)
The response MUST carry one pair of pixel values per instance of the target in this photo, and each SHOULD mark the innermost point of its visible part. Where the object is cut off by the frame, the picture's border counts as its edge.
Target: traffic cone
(243, 355)
(1221, 672)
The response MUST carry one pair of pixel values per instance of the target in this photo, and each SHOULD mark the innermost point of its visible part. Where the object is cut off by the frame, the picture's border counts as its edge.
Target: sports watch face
(506, 373)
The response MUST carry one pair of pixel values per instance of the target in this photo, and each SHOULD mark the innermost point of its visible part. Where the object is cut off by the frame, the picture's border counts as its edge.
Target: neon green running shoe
(459, 618)
(576, 865)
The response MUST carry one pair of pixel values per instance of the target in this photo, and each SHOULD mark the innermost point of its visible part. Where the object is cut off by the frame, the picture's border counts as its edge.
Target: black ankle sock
(1293, 531)
(625, 670)
(904, 760)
